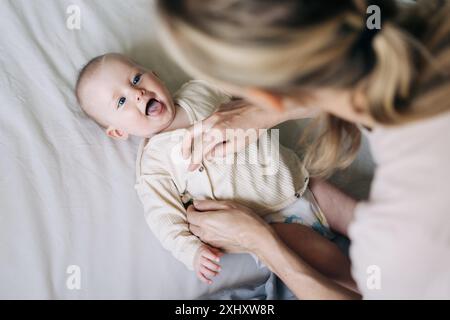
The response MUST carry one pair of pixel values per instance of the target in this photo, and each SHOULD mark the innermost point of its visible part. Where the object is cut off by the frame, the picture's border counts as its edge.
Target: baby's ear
(117, 134)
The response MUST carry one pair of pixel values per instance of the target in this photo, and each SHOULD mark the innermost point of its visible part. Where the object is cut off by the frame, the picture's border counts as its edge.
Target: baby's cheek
(137, 125)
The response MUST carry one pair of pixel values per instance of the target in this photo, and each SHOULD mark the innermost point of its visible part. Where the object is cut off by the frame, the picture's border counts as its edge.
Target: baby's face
(129, 98)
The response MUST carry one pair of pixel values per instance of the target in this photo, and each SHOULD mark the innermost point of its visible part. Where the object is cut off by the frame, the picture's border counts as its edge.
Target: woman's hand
(233, 126)
(236, 228)
(227, 225)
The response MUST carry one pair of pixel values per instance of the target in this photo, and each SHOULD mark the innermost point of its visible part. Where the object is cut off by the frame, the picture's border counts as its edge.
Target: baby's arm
(166, 217)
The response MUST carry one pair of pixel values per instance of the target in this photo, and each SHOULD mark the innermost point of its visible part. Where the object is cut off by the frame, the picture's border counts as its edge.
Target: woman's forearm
(292, 114)
(292, 111)
(337, 207)
(304, 281)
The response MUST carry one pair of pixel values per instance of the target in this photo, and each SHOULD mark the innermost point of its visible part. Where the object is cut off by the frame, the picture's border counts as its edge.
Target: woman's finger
(195, 230)
(231, 144)
(194, 217)
(197, 140)
(187, 143)
(220, 151)
(201, 146)
(228, 147)
(211, 205)
(204, 139)
(213, 138)
(191, 138)
(193, 167)
(196, 152)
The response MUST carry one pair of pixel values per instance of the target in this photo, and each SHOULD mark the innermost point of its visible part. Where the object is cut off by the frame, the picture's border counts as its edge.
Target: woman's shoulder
(419, 139)
(412, 176)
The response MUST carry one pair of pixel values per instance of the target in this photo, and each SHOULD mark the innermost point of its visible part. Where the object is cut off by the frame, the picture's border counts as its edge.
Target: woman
(307, 58)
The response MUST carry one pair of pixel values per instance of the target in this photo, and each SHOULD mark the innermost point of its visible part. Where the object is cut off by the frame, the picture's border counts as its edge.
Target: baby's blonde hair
(88, 70)
(286, 44)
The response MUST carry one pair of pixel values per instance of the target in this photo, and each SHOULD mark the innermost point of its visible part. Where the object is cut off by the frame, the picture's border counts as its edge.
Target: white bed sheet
(66, 191)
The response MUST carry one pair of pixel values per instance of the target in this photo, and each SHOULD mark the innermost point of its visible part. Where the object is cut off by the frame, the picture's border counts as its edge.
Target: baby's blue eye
(121, 102)
(136, 79)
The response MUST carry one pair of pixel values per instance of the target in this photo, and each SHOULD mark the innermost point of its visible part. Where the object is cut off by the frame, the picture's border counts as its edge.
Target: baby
(126, 99)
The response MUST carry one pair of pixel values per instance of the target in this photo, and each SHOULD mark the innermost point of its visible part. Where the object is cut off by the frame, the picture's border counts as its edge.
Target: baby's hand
(206, 263)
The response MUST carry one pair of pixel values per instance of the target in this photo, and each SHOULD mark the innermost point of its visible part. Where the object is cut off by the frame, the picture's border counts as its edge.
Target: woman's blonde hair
(280, 45)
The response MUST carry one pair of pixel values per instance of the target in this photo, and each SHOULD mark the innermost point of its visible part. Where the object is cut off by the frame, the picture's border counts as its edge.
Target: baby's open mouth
(154, 107)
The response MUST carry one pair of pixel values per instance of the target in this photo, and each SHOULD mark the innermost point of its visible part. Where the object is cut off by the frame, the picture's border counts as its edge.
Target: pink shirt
(401, 234)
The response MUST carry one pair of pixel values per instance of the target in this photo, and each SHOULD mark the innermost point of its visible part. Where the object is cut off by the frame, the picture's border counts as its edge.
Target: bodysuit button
(297, 195)
(201, 169)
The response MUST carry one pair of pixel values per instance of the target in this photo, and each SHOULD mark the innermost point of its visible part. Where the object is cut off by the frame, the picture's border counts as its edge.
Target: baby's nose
(139, 94)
